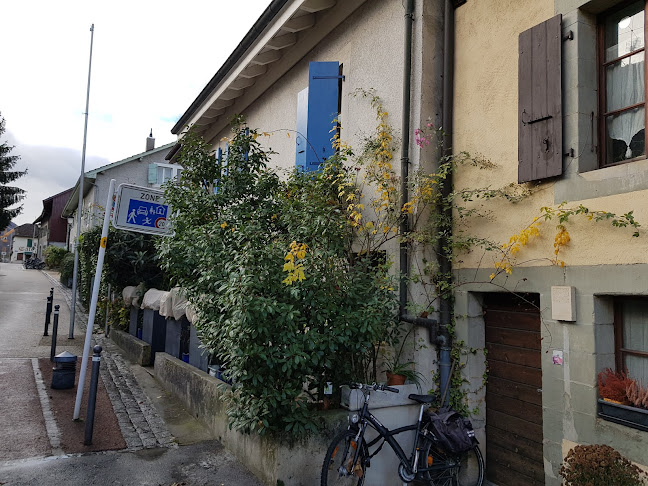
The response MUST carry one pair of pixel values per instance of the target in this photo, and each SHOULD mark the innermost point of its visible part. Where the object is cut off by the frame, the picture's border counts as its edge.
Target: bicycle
(348, 456)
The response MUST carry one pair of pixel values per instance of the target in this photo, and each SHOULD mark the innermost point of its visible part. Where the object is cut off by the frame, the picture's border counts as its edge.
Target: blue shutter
(323, 94)
(152, 173)
(302, 123)
(225, 161)
(247, 152)
(219, 161)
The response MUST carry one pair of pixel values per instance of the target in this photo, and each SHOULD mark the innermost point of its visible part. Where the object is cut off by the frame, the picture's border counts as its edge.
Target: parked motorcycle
(34, 263)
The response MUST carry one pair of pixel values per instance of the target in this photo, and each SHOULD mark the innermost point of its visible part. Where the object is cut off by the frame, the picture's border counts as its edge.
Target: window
(622, 81)
(318, 108)
(631, 337)
(158, 174)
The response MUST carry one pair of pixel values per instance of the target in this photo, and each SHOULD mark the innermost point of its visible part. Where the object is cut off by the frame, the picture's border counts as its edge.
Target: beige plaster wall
(486, 117)
(364, 44)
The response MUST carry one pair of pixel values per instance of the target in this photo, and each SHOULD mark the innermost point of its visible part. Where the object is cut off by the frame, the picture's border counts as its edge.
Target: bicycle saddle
(422, 398)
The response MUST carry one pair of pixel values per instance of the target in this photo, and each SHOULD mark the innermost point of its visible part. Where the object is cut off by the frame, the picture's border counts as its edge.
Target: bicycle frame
(366, 418)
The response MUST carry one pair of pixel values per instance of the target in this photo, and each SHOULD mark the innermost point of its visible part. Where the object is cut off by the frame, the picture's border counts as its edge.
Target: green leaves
(280, 343)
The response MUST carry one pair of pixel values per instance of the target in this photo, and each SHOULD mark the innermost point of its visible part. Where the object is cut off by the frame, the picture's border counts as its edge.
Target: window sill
(637, 418)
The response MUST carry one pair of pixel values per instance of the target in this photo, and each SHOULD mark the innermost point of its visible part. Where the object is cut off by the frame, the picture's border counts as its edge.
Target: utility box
(64, 371)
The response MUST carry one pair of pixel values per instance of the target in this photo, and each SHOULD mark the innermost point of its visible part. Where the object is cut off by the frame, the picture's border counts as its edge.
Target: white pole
(80, 205)
(93, 302)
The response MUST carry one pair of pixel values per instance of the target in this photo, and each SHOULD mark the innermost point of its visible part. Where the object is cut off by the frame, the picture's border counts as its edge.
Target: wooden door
(514, 390)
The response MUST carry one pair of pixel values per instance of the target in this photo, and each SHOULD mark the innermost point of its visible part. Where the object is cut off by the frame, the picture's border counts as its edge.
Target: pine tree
(9, 196)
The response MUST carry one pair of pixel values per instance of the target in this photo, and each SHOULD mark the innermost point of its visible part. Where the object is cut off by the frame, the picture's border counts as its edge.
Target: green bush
(283, 300)
(131, 258)
(54, 256)
(67, 269)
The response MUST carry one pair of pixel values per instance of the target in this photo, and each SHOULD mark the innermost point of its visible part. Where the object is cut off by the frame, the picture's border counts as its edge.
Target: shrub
(599, 465)
(283, 300)
(67, 269)
(54, 256)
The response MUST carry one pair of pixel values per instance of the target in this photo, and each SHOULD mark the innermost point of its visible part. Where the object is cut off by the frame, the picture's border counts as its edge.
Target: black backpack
(455, 433)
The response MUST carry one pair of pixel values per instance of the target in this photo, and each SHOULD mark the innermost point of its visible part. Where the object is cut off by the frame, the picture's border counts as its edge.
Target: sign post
(93, 301)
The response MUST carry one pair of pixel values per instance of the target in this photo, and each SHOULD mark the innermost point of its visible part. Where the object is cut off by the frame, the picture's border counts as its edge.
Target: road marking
(53, 431)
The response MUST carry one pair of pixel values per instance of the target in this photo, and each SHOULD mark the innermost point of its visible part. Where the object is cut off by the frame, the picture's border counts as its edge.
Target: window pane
(624, 82)
(624, 31)
(635, 325)
(625, 135)
(637, 368)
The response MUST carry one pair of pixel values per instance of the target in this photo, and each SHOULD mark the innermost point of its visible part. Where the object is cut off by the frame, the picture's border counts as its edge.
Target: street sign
(142, 210)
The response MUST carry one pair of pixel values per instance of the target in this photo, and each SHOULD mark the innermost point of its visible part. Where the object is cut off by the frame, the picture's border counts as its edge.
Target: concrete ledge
(267, 459)
(135, 349)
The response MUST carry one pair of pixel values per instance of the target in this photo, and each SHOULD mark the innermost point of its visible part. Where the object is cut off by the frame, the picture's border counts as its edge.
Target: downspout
(444, 339)
(405, 129)
(439, 333)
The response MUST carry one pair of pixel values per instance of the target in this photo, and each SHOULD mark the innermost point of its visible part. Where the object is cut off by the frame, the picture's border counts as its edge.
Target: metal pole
(92, 395)
(80, 204)
(54, 332)
(108, 302)
(48, 310)
(93, 301)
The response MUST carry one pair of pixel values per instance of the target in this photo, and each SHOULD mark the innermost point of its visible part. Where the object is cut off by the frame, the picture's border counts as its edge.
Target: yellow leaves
(294, 263)
(223, 225)
(408, 207)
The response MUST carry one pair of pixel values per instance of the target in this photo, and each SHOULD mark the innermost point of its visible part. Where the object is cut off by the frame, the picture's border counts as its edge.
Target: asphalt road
(26, 455)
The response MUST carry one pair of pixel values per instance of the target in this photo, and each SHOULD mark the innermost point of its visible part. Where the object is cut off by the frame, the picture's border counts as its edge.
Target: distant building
(147, 169)
(25, 242)
(53, 229)
(6, 239)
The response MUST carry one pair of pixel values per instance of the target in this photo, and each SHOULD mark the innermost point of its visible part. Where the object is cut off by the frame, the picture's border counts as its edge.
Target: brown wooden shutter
(540, 150)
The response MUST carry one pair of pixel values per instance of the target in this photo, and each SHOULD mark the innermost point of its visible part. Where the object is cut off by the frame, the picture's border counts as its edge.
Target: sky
(150, 60)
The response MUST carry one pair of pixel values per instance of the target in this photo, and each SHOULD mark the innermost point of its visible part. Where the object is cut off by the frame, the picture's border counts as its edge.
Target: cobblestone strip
(140, 425)
(53, 432)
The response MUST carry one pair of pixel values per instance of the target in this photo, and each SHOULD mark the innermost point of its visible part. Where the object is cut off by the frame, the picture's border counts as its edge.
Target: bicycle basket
(455, 433)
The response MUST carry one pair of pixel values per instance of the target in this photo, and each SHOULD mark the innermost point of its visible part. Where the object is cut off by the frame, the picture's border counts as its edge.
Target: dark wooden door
(514, 390)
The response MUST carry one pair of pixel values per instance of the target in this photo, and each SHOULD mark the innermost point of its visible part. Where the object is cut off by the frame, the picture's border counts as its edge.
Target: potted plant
(395, 367)
(623, 400)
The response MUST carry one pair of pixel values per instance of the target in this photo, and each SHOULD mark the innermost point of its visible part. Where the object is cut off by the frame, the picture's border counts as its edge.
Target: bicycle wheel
(338, 468)
(465, 469)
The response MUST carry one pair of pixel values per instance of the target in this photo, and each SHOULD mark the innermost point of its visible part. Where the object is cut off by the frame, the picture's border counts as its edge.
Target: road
(181, 452)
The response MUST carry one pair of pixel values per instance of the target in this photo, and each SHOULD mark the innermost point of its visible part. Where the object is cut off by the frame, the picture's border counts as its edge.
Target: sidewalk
(140, 425)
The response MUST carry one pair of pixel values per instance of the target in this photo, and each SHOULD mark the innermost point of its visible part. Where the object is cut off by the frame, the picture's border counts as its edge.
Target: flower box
(637, 418)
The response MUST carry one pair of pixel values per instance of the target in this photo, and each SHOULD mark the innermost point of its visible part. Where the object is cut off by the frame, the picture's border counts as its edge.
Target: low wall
(269, 460)
(135, 349)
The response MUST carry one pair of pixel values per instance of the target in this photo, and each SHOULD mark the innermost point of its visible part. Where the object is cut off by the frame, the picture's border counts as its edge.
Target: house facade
(53, 230)
(24, 242)
(146, 169)
(305, 67)
(554, 97)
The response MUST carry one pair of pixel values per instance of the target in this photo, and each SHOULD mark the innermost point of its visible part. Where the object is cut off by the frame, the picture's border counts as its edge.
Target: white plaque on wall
(563, 303)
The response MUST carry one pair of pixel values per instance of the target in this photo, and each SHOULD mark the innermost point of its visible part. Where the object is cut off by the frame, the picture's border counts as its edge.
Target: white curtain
(635, 336)
(625, 86)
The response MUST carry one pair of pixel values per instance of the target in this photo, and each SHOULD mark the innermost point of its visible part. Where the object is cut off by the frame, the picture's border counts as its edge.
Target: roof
(25, 230)
(47, 205)
(284, 34)
(91, 176)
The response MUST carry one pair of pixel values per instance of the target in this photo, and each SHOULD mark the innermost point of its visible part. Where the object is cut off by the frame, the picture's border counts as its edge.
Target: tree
(9, 196)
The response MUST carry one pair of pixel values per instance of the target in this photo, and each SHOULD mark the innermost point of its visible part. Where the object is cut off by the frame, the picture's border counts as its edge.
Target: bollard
(54, 332)
(92, 395)
(48, 310)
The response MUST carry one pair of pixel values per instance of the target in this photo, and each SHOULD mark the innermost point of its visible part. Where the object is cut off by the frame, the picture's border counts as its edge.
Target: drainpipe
(405, 129)
(439, 333)
(444, 339)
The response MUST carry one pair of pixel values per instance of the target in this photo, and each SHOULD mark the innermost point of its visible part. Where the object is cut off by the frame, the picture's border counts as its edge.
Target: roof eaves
(259, 26)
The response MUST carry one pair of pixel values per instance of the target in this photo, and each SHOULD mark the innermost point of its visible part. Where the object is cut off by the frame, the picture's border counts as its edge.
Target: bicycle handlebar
(373, 386)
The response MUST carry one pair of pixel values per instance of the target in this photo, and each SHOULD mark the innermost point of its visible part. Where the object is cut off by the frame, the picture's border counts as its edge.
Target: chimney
(150, 142)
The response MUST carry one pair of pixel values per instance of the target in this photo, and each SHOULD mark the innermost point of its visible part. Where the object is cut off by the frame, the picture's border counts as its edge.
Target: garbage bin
(64, 371)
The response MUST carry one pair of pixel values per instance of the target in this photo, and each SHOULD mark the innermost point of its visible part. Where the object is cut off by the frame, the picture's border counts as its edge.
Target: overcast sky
(150, 60)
